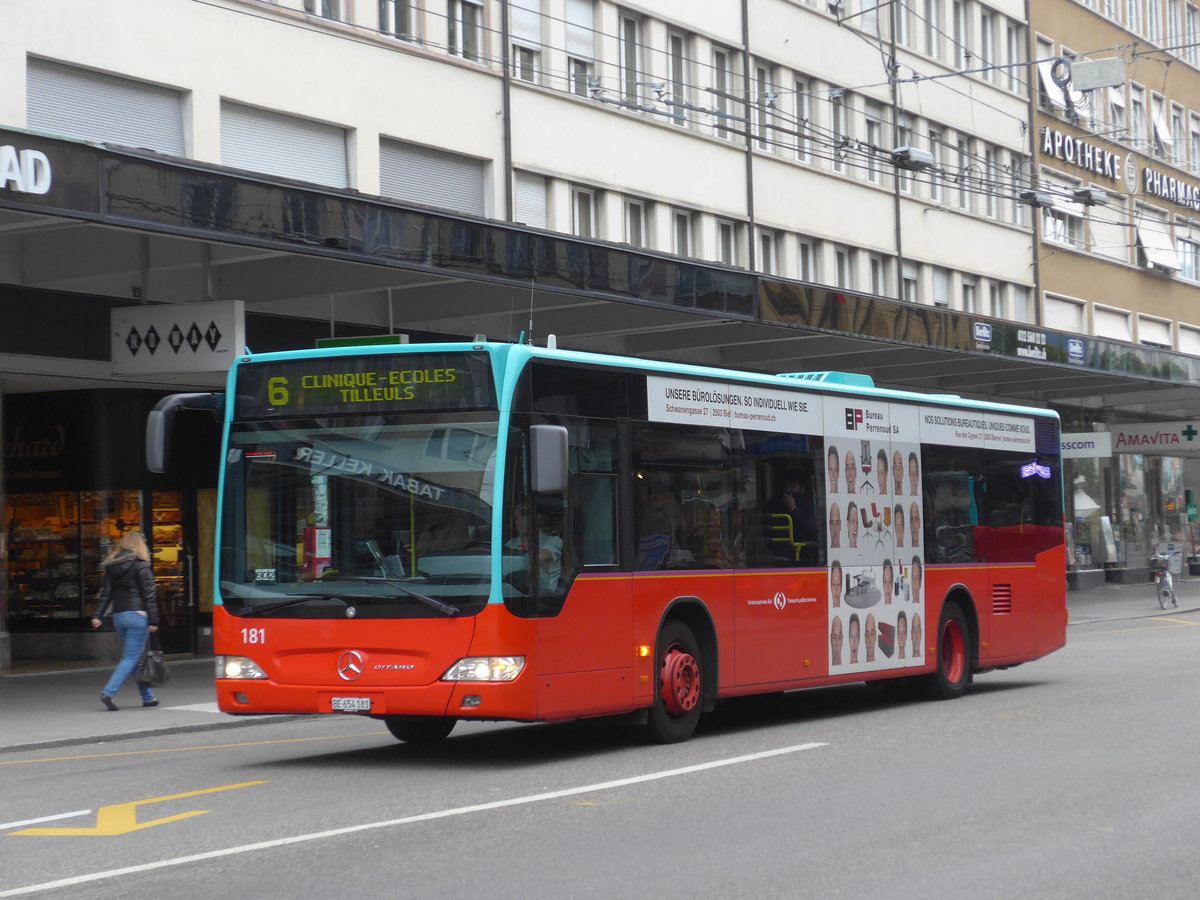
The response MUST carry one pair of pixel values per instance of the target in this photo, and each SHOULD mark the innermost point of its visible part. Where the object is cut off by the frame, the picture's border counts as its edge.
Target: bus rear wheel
(953, 657)
(679, 697)
(420, 729)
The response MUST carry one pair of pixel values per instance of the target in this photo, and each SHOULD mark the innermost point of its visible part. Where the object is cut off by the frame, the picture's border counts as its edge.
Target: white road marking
(4, 826)
(406, 820)
(196, 707)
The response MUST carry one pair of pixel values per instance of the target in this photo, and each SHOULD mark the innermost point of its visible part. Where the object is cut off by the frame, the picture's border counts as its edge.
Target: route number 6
(277, 391)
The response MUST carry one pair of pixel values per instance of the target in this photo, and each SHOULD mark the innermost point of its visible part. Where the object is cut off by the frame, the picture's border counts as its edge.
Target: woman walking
(129, 591)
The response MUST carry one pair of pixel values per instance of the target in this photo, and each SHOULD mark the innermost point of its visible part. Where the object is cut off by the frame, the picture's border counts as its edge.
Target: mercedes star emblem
(350, 665)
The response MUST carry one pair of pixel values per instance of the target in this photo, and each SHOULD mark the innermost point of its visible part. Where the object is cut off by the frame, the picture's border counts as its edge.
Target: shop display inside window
(57, 540)
(168, 557)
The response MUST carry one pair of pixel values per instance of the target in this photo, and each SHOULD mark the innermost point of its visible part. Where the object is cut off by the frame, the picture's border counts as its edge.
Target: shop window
(57, 540)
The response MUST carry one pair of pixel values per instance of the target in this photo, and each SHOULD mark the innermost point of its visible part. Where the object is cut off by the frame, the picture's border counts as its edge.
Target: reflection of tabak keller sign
(24, 171)
(1081, 153)
(1167, 188)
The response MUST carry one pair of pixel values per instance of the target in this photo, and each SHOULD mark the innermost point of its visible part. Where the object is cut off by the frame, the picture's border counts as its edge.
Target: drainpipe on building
(1035, 229)
(752, 235)
(895, 89)
(506, 111)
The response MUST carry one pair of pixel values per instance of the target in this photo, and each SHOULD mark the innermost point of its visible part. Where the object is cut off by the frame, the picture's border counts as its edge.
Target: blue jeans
(134, 628)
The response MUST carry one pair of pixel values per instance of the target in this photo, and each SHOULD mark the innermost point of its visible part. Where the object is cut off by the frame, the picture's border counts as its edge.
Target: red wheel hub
(680, 678)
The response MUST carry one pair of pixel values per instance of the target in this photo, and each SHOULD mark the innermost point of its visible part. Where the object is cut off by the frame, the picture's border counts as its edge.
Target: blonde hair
(132, 540)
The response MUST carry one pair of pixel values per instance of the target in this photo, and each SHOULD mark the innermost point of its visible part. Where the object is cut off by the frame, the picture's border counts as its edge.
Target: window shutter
(529, 200)
(432, 177)
(581, 38)
(91, 106)
(281, 145)
(526, 21)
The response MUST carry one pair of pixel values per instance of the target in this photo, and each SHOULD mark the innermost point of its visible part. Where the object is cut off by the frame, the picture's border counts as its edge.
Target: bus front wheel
(679, 694)
(420, 729)
(953, 656)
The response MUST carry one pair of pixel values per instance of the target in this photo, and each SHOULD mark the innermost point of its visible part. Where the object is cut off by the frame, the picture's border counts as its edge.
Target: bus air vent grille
(853, 379)
(1001, 599)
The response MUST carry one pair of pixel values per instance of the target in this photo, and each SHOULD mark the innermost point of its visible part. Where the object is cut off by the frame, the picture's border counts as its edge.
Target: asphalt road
(1068, 777)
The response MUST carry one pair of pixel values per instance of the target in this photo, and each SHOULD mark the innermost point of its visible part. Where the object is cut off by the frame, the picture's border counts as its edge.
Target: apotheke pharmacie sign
(24, 171)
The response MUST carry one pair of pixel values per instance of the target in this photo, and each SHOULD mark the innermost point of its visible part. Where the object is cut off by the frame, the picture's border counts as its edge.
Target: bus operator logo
(854, 418)
(350, 665)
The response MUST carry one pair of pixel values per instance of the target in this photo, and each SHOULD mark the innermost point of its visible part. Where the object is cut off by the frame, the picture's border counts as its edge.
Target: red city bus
(438, 532)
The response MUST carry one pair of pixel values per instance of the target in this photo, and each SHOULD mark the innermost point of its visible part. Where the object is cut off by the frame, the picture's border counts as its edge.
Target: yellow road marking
(336, 737)
(1178, 621)
(121, 818)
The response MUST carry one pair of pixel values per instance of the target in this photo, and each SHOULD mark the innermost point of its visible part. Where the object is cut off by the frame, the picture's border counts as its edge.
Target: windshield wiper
(295, 600)
(446, 609)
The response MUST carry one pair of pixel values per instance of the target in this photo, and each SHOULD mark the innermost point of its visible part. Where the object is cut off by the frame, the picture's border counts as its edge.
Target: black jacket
(128, 585)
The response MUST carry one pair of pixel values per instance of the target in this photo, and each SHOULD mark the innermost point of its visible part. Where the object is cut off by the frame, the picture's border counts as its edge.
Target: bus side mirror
(548, 451)
(158, 424)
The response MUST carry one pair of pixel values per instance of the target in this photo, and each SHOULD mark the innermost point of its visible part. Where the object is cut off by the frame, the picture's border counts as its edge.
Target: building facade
(680, 178)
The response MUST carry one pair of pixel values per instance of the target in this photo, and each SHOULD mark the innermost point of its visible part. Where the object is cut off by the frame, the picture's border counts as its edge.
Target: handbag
(152, 667)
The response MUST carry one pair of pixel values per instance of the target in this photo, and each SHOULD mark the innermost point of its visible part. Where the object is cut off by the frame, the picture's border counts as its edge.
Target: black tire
(420, 729)
(679, 691)
(953, 649)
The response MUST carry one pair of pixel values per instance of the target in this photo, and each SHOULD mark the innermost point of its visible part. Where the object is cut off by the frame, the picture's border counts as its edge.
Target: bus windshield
(363, 516)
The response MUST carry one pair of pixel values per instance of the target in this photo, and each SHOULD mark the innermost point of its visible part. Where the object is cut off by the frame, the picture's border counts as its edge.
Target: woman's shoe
(108, 701)
(149, 703)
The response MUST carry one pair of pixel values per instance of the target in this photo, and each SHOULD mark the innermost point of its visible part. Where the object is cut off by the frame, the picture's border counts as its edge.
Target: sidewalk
(45, 709)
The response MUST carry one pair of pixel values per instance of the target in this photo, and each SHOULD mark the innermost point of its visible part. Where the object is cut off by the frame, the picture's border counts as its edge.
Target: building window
(941, 286)
(1161, 142)
(1062, 226)
(722, 89)
(525, 28)
(1135, 15)
(465, 22)
(1016, 56)
(961, 35)
(987, 42)
(991, 185)
(583, 213)
(635, 223)
(326, 9)
(968, 294)
(631, 57)
(938, 149)
(728, 239)
(807, 261)
(803, 120)
(524, 63)
(396, 18)
(841, 128)
(677, 63)
(873, 124)
(904, 137)
(581, 45)
(878, 268)
(1192, 39)
(1137, 115)
(933, 30)
(909, 282)
(768, 252)
(965, 167)
(764, 102)
(1022, 309)
(843, 262)
(683, 225)
(1189, 259)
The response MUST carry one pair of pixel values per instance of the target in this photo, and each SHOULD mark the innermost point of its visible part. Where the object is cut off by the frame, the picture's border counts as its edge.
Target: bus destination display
(422, 382)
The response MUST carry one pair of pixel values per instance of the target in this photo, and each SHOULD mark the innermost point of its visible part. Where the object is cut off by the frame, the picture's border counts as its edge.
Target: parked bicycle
(1160, 568)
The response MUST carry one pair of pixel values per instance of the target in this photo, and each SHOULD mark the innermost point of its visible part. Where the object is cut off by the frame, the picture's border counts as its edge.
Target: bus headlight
(486, 668)
(238, 667)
